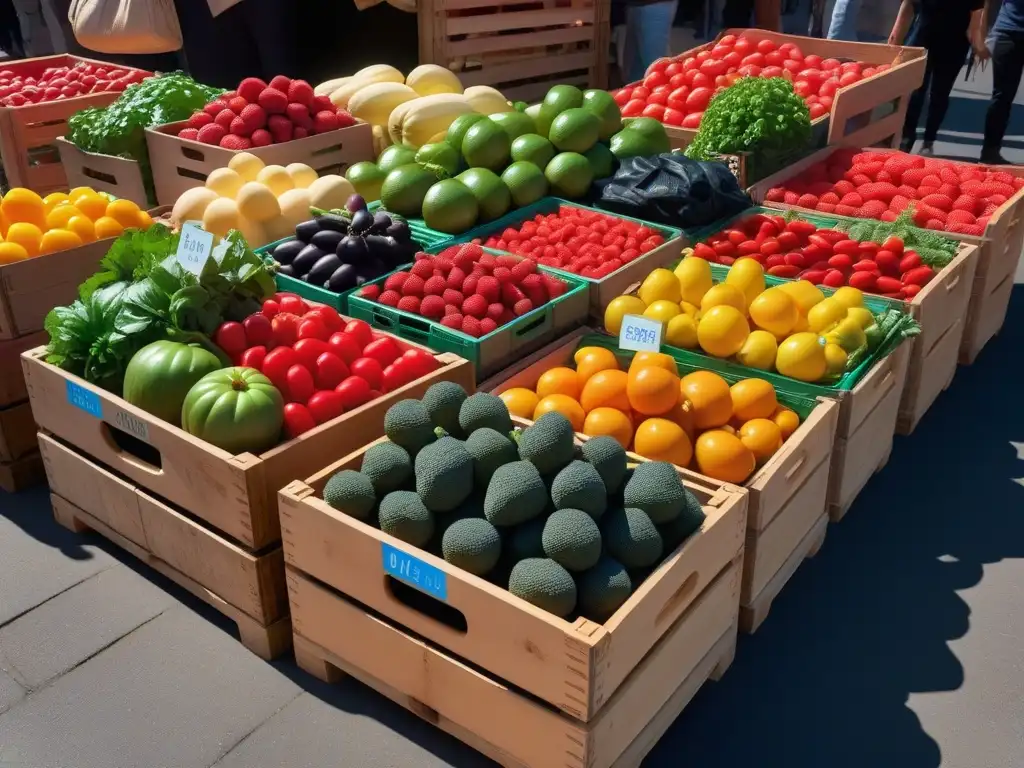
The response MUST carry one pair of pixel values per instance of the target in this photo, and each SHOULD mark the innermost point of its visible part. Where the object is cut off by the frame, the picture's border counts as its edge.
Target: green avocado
(642, 136)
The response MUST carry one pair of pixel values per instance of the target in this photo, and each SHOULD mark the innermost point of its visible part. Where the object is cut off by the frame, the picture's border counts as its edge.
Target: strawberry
(830, 198)
(872, 209)
(394, 281)
(861, 179)
(960, 217)
(320, 103)
(949, 176)
(261, 138)
(390, 298)
(237, 104)
(877, 191)
(1003, 177)
(371, 292)
(885, 176)
(300, 133)
(937, 225)
(898, 203)
(846, 210)
(952, 191)
(325, 121)
(281, 83)
(775, 195)
(899, 164)
(432, 306)
(844, 187)
(826, 207)
(914, 176)
(434, 286)
(240, 128)
(852, 199)
(188, 133)
(932, 211)
(413, 286)
(965, 202)
(224, 119)
(198, 120)
(215, 107)
(931, 180)
(888, 216)
(409, 304)
(280, 128)
(997, 199)
(301, 92)
(211, 134)
(488, 325)
(807, 201)
(251, 88)
(942, 202)
(299, 115)
(471, 327)
(453, 321)
(273, 101)
(475, 306)
(254, 116)
(231, 141)
(522, 306)
(966, 229)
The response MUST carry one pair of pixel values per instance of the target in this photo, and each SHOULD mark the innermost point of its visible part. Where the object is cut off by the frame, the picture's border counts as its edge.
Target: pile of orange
(696, 421)
(31, 225)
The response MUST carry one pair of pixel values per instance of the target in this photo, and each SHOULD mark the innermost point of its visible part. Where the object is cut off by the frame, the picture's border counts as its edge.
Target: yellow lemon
(91, 205)
(758, 351)
(54, 199)
(662, 310)
(124, 212)
(12, 252)
(724, 294)
(660, 285)
(847, 334)
(805, 294)
(688, 308)
(762, 438)
(107, 227)
(619, 307)
(802, 357)
(863, 316)
(849, 297)
(787, 421)
(58, 240)
(82, 226)
(24, 205)
(681, 331)
(59, 217)
(694, 276)
(775, 311)
(722, 331)
(835, 359)
(26, 235)
(825, 314)
(748, 276)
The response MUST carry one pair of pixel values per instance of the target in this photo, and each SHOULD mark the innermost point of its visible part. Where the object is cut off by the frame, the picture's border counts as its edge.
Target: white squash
(294, 210)
(330, 192)
(192, 205)
(277, 178)
(221, 216)
(428, 116)
(487, 100)
(302, 175)
(428, 79)
(373, 103)
(256, 202)
(327, 87)
(225, 182)
(246, 165)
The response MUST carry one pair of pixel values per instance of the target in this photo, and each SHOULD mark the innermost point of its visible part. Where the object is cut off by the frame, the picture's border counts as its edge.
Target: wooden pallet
(520, 47)
(22, 473)
(334, 636)
(245, 585)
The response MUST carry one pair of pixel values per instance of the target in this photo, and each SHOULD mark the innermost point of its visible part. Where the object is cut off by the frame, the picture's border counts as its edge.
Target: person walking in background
(1006, 44)
(844, 20)
(948, 29)
(648, 35)
(767, 14)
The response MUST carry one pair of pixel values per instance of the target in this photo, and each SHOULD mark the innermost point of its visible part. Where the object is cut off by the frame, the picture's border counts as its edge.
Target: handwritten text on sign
(194, 247)
(414, 572)
(640, 334)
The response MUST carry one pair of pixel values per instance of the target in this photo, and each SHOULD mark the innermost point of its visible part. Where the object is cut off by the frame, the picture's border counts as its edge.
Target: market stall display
(20, 463)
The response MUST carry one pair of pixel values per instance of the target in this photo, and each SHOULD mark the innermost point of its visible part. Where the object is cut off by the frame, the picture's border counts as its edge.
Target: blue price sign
(80, 397)
(640, 334)
(415, 572)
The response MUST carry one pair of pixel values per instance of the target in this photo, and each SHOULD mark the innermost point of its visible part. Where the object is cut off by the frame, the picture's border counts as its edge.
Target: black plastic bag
(673, 189)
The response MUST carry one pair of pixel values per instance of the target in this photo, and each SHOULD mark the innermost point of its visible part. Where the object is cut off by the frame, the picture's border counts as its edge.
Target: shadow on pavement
(30, 510)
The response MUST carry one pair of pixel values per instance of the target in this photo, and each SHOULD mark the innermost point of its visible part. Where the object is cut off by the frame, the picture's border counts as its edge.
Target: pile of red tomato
(676, 91)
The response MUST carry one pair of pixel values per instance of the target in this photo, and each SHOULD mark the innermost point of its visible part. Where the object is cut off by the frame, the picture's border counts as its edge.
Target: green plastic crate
(497, 349)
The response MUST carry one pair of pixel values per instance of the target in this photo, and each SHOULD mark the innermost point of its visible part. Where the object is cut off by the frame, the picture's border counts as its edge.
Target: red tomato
(729, 40)
(698, 99)
(254, 357)
(326, 405)
(659, 65)
(361, 331)
(803, 89)
(733, 59)
(831, 64)
(772, 72)
(286, 329)
(297, 419)
(673, 69)
(345, 346)
(769, 246)
(677, 99)
(812, 99)
(369, 369)
(848, 78)
(354, 392)
(421, 361)
(692, 120)
(396, 375)
(828, 88)
(702, 55)
(817, 110)
(330, 371)
(788, 240)
(690, 64)
(713, 67)
(792, 65)
(743, 45)
(660, 97)
(677, 81)
(813, 60)
(641, 92)
(756, 58)
(308, 350)
(329, 316)
(869, 72)
(700, 80)
(774, 59)
(655, 79)
(801, 228)
(231, 338)
(825, 101)
(622, 96)
(850, 66)
(810, 74)
(673, 116)
(720, 50)
(633, 108)
(722, 81)
(765, 46)
(750, 70)
(657, 111)
(276, 365)
(291, 303)
(299, 385)
(258, 330)
(384, 350)
(313, 328)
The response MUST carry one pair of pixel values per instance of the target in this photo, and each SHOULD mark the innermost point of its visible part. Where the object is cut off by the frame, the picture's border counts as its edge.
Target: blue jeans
(844, 20)
(648, 36)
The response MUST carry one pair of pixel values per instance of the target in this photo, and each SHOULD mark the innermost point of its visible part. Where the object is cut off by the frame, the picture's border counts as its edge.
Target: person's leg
(215, 53)
(944, 74)
(34, 34)
(632, 61)
(1007, 66)
(844, 20)
(737, 13)
(654, 33)
(914, 106)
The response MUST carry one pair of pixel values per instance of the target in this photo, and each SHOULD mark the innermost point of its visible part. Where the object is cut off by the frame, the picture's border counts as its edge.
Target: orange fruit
(23, 205)
(709, 393)
(590, 360)
(125, 212)
(611, 422)
(663, 440)
(652, 391)
(657, 359)
(752, 399)
(762, 437)
(82, 191)
(58, 240)
(90, 204)
(723, 456)
(520, 401)
(83, 227)
(559, 381)
(107, 227)
(4, 224)
(563, 405)
(684, 415)
(787, 421)
(59, 217)
(145, 220)
(54, 199)
(605, 389)
(26, 235)
(12, 252)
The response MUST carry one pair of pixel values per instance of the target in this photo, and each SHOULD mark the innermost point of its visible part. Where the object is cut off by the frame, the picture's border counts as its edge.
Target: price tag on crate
(640, 334)
(194, 247)
(415, 572)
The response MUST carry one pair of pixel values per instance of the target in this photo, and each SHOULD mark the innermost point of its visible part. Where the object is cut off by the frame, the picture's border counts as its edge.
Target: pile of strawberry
(57, 83)
(946, 196)
(323, 364)
(799, 250)
(258, 114)
(466, 289)
(576, 240)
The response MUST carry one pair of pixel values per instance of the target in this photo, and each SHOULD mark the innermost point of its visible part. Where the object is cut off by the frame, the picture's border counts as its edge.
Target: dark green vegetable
(120, 129)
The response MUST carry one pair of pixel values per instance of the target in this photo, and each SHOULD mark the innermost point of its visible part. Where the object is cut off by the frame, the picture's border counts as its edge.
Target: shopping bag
(126, 26)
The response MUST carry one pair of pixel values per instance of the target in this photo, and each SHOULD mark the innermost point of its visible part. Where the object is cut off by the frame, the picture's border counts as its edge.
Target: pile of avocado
(571, 529)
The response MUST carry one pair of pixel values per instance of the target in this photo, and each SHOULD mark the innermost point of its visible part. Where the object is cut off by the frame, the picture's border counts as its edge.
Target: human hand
(981, 52)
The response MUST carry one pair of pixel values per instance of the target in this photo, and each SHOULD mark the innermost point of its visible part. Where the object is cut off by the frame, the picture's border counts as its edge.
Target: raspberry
(434, 286)
(299, 115)
(240, 128)
(452, 321)
(409, 304)
(432, 306)
(452, 309)
(198, 120)
(224, 119)
(471, 326)
(390, 298)
(413, 285)
(489, 288)
(371, 292)
(325, 121)
(188, 133)
(394, 282)
(423, 268)
(495, 310)
(475, 305)
(522, 306)
(211, 134)
(487, 325)
(254, 116)
(261, 138)
(233, 142)
(281, 83)
(251, 88)
(273, 101)
(452, 296)
(215, 107)
(301, 92)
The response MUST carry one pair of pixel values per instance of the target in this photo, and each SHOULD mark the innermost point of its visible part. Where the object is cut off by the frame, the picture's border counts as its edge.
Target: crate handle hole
(680, 596)
(193, 154)
(953, 283)
(413, 327)
(190, 174)
(331, 148)
(796, 465)
(423, 603)
(99, 175)
(531, 327)
(134, 451)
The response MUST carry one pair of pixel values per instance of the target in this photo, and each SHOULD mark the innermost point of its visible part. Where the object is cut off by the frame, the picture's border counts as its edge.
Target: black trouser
(945, 60)
(736, 13)
(1007, 66)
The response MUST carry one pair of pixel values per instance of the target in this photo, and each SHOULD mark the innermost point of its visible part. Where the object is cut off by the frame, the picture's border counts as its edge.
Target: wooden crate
(520, 47)
(28, 133)
(573, 666)
(118, 176)
(12, 380)
(787, 495)
(867, 424)
(234, 494)
(988, 311)
(21, 474)
(334, 636)
(181, 164)
(245, 585)
(17, 432)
